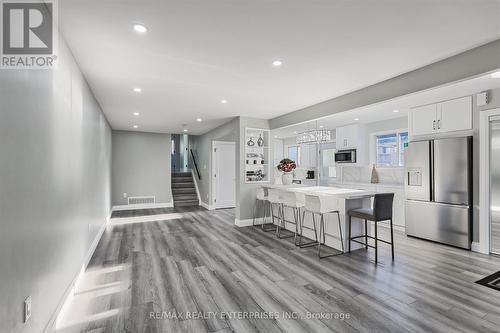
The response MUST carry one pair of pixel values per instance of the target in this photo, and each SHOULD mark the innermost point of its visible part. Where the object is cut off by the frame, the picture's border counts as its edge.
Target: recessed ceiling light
(185, 130)
(496, 75)
(224, 101)
(135, 126)
(136, 113)
(140, 28)
(295, 132)
(356, 119)
(321, 126)
(395, 111)
(277, 63)
(199, 120)
(275, 136)
(137, 89)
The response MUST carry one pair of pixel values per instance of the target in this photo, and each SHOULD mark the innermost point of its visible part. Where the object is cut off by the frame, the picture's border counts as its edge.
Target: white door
(224, 174)
(423, 120)
(455, 115)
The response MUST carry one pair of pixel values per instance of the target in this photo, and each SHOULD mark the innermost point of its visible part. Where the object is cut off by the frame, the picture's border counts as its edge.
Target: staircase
(183, 189)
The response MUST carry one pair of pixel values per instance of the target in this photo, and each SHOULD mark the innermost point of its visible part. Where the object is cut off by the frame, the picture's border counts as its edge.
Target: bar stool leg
(392, 241)
(309, 244)
(280, 215)
(340, 231)
(296, 212)
(255, 205)
(321, 227)
(376, 244)
(265, 204)
(366, 235)
(349, 236)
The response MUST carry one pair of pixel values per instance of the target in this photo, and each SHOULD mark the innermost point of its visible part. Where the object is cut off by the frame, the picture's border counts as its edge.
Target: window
(328, 167)
(390, 149)
(294, 154)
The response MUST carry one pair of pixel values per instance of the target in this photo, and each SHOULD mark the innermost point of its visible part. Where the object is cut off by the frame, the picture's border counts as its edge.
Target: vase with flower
(287, 166)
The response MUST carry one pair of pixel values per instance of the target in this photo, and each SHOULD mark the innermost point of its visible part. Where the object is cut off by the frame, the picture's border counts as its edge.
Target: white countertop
(346, 193)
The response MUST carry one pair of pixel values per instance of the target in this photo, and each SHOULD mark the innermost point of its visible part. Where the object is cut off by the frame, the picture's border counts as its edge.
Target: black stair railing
(195, 164)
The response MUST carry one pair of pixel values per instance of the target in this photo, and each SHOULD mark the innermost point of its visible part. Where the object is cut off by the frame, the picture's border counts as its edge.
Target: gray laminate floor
(162, 276)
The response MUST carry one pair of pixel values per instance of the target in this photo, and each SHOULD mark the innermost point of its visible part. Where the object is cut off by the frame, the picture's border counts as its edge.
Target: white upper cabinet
(423, 120)
(449, 116)
(349, 137)
(455, 115)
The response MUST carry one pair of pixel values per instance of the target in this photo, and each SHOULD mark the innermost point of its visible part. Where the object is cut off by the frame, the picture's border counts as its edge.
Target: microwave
(345, 156)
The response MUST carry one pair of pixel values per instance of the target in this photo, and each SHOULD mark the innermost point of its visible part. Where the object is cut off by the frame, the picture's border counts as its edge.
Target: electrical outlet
(124, 195)
(27, 309)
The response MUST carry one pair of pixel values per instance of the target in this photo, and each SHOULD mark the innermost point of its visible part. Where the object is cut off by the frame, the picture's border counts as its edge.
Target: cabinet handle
(439, 124)
(434, 125)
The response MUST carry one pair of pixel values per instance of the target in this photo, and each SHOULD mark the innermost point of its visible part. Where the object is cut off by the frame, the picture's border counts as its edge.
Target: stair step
(183, 185)
(181, 179)
(181, 174)
(182, 190)
(186, 203)
(185, 197)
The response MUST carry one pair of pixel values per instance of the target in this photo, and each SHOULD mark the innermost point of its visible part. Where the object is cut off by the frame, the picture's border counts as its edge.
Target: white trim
(206, 206)
(484, 181)
(74, 283)
(143, 206)
(244, 223)
(476, 247)
(195, 180)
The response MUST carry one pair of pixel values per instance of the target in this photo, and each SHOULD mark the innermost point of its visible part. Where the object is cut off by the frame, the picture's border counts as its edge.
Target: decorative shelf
(257, 155)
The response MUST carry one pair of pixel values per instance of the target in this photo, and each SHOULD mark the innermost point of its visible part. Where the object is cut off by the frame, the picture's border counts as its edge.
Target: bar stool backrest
(260, 193)
(300, 198)
(313, 203)
(289, 199)
(382, 206)
(273, 195)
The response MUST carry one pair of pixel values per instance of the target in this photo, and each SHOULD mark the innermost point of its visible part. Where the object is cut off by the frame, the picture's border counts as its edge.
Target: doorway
(224, 174)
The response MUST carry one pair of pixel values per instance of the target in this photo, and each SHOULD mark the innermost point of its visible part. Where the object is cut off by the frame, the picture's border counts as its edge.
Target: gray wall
(493, 104)
(202, 145)
(141, 166)
(55, 149)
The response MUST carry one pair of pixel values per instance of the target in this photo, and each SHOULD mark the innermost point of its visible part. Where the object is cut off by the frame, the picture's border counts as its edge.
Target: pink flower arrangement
(286, 165)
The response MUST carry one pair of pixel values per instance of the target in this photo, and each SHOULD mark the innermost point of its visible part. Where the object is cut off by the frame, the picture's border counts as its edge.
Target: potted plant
(287, 166)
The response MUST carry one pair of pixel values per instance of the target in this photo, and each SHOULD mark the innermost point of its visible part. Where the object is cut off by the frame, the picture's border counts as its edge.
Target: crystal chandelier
(314, 136)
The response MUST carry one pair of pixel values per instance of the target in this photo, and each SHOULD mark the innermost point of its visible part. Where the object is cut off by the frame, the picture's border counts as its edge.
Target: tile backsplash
(363, 174)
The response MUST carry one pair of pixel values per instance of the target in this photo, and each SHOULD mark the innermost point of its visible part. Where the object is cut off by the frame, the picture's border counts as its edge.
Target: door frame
(484, 180)
(212, 174)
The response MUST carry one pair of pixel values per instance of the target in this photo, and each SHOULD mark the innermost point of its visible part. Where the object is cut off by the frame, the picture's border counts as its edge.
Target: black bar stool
(382, 211)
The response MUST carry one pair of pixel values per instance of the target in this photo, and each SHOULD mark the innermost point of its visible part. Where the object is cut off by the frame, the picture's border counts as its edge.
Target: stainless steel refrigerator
(438, 186)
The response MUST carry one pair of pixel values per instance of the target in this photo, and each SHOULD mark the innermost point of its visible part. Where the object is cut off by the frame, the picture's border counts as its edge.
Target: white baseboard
(206, 206)
(74, 283)
(476, 247)
(246, 223)
(143, 206)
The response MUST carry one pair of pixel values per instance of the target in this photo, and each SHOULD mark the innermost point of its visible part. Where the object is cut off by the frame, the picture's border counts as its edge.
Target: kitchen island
(334, 198)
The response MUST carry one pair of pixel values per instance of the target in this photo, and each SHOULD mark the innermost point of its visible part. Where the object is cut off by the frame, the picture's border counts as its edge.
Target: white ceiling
(385, 110)
(199, 52)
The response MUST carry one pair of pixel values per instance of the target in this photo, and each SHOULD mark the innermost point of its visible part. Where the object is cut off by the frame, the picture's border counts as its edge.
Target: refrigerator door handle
(431, 150)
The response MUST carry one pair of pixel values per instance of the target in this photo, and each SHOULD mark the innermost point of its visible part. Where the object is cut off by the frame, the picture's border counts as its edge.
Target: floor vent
(141, 200)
